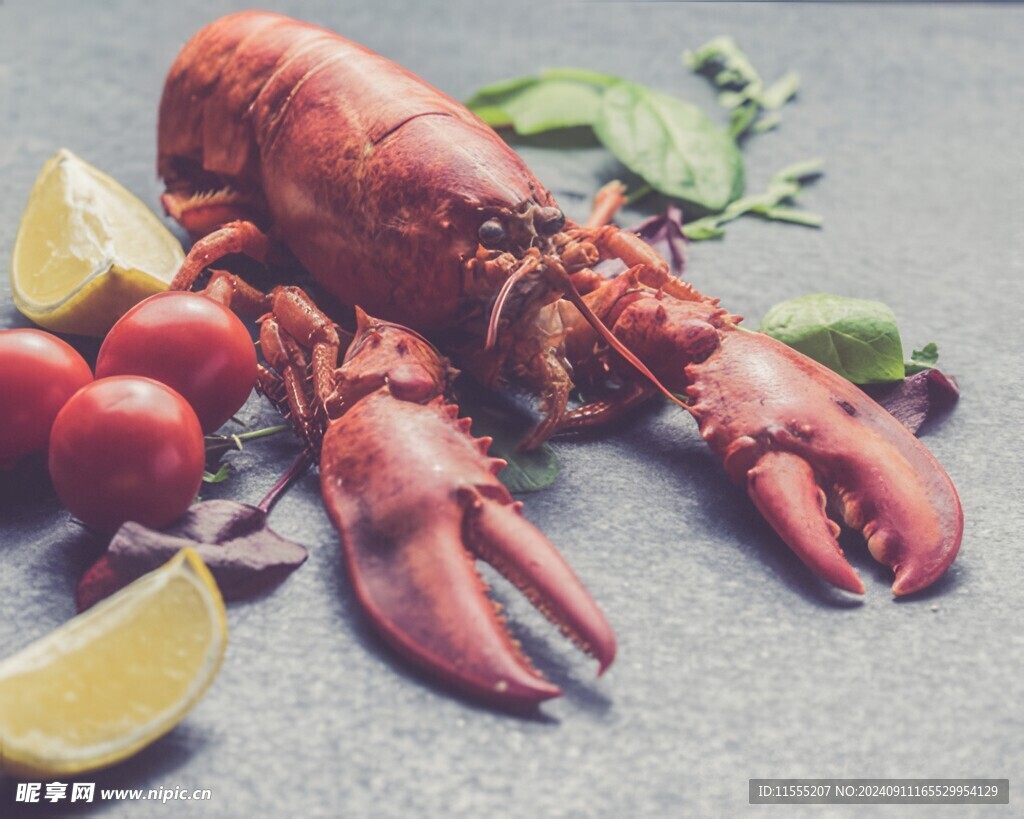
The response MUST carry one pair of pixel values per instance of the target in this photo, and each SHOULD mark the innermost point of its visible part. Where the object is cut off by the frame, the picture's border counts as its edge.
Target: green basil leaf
(742, 118)
(558, 98)
(580, 75)
(722, 60)
(526, 471)
(766, 123)
(924, 359)
(800, 172)
(672, 145)
(706, 228)
(494, 115)
(858, 339)
(793, 215)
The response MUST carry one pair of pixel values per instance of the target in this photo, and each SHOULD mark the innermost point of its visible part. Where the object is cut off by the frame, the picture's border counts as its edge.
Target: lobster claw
(801, 440)
(792, 431)
(415, 499)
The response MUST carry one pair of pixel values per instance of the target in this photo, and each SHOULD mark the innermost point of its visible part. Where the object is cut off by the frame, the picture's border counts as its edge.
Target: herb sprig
(673, 146)
(743, 90)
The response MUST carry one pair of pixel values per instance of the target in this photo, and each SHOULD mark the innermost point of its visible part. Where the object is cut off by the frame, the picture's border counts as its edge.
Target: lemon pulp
(87, 250)
(115, 678)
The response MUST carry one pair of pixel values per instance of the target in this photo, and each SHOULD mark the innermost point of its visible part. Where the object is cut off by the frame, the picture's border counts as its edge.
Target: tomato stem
(217, 444)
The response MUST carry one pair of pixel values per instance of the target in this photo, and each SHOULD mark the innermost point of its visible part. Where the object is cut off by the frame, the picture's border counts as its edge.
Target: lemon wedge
(115, 678)
(87, 250)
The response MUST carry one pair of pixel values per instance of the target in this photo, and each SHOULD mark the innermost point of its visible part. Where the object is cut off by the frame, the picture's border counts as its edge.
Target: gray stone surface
(733, 661)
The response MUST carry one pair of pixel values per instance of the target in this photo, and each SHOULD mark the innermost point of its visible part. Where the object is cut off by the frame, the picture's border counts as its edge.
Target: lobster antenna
(528, 266)
(602, 330)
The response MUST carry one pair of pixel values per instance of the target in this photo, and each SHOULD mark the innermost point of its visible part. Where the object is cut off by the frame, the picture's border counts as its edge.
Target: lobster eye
(491, 233)
(550, 221)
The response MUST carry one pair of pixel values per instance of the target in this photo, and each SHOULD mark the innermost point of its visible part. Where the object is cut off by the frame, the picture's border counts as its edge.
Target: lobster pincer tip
(907, 581)
(913, 575)
(496, 531)
(785, 491)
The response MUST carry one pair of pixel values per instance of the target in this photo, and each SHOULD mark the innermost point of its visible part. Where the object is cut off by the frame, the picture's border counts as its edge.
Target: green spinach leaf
(858, 339)
(557, 98)
(526, 471)
(672, 145)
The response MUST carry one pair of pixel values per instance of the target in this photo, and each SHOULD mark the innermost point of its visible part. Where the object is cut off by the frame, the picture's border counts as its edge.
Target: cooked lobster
(400, 202)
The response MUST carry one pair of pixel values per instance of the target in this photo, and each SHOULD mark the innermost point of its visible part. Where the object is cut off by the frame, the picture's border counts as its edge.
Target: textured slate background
(733, 662)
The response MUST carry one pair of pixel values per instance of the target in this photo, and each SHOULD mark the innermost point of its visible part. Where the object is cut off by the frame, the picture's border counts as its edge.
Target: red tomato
(190, 343)
(38, 374)
(126, 448)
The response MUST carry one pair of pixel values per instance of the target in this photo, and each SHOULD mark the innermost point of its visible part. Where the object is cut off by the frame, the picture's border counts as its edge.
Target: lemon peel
(87, 250)
(117, 677)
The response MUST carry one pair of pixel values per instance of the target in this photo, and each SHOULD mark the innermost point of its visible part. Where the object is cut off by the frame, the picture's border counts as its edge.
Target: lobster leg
(234, 237)
(287, 382)
(415, 500)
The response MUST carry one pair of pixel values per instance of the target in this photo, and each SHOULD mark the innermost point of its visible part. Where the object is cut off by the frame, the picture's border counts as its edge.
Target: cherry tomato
(190, 343)
(38, 374)
(126, 448)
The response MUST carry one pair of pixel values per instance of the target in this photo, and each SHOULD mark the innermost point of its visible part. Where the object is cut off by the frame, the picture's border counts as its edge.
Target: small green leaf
(801, 172)
(858, 339)
(219, 476)
(702, 229)
(742, 118)
(558, 98)
(781, 91)
(672, 145)
(579, 75)
(793, 215)
(783, 187)
(494, 115)
(725, 62)
(766, 123)
(730, 69)
(927, 358)
(526, 471)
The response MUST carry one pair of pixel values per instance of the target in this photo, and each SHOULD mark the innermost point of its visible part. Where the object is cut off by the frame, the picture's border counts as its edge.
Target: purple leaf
(916, 398)
(242, 552)
(665, 234)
